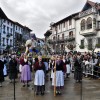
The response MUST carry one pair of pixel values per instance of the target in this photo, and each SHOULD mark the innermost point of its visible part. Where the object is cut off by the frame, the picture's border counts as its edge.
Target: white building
(88, 28)
(11, 33)
(77, 32)
(62, 38)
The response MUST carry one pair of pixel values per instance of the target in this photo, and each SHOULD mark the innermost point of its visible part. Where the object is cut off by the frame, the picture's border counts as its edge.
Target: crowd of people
(58, 67)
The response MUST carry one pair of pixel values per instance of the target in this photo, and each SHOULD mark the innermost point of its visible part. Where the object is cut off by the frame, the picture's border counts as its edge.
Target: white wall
(79, 37)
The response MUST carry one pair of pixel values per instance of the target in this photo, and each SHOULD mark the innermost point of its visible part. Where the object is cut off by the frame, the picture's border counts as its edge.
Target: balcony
(71, 38)
(87, 12)
(62, 39)
(88, 32)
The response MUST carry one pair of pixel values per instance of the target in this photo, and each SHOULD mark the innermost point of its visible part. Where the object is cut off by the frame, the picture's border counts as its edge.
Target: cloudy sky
(38, 14)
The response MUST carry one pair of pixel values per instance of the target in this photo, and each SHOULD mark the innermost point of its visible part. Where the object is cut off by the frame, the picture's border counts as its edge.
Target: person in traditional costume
(51, 67)
(21, 61)
(59, 76)
(39, 80)
(64, 61)
(26, 73)
(13, 72)
(78, 69)
(68, 66)
(1, 72)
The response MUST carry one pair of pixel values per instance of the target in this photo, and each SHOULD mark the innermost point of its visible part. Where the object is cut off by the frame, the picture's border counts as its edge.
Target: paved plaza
(88, 90)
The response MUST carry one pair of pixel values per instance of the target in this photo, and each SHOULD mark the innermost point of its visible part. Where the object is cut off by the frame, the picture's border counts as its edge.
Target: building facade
(88, 28)
(62, 38)
(77, 32)
(11, 33)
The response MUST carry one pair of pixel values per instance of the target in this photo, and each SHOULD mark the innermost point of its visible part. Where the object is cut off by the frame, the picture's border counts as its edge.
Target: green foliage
(97, 45)
(90, 48)
(81, 46)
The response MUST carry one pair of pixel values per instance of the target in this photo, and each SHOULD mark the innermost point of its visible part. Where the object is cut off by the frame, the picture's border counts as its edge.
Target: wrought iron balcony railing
(62, 39)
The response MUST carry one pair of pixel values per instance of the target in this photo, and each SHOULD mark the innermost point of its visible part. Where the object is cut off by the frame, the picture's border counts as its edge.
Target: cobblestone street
(89, 90)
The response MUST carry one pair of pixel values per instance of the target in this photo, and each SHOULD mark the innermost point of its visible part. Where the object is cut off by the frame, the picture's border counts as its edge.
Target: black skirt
(78, 75)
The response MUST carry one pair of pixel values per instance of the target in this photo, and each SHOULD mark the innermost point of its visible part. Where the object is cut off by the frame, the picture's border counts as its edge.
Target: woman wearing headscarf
(26, 73)
(39, 80)
(59, 75)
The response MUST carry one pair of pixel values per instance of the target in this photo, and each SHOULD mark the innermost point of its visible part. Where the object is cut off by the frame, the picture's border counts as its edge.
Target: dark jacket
(13, 69)
(38, 67)
(1, 71)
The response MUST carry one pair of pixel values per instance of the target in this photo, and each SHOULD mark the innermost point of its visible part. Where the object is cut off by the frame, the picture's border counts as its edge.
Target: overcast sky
(38, 14)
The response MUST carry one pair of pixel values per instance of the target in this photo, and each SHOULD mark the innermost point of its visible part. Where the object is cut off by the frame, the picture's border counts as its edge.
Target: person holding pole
(58, 79)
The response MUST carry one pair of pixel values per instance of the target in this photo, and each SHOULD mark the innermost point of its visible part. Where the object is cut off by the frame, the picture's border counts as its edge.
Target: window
(10, 42)
(8, 22)
(94, 23)
(89, 44)
(58, 37)
(98, 40)
(59, 26)
(54, 38)
(82, 42)
(19, 28)
(70, 22)
(83, 25)
(62, 36)
(16, 27)
(8, 29)
(99, 13)
(4, 20)
(70, 33)
(89, 23)
(7, 41)
(98, 25)
(3, 41)
(4, 28)
(62, 47)
(11, 30)
(64, 24)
